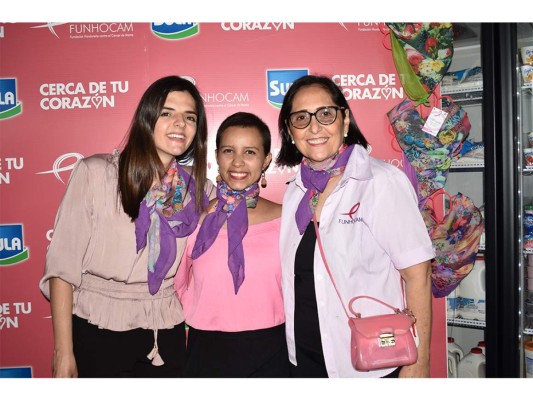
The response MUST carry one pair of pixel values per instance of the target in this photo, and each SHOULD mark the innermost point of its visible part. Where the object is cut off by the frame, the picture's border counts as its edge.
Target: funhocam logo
(279, 81)
(175, 31)
(9, 104)
(12, 250)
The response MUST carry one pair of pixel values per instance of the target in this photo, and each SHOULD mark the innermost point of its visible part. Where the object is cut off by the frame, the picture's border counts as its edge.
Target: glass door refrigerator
(507, 109)
(524, 124)
(492, 81)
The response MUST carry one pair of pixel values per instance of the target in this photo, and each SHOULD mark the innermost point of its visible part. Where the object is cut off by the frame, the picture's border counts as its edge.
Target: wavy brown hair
(139, 163)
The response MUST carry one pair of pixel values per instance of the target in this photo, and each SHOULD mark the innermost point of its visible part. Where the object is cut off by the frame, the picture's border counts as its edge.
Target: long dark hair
(139, 162)
(289, 155)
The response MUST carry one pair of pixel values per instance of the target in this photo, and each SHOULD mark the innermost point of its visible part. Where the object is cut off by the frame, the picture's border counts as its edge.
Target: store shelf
(527, 170)
(468, 166)
(456, 89)
(469, 323)
(528, 331)
(465, 95)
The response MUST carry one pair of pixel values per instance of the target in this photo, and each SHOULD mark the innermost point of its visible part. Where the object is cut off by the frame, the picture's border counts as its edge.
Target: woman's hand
(63, 362)
(418, 292)
(64, 365)
(416, 370)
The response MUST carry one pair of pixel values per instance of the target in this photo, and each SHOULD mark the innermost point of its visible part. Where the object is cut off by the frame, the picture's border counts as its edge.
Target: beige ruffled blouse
(93, 248)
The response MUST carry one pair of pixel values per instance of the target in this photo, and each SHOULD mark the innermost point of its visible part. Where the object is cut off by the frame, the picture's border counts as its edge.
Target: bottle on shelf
(528, 220)
(528, 354)
(482, 238)
(452, 366)
(452, 304)
(482, 346)
(472, 302)
(472, 365)
(455, 354)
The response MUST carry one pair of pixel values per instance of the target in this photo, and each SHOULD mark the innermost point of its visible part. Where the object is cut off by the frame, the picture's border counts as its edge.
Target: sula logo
(10, 105)
(175, 31)
(12, 249)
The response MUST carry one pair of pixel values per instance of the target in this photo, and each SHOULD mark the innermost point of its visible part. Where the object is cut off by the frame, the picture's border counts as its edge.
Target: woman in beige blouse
(119, 235)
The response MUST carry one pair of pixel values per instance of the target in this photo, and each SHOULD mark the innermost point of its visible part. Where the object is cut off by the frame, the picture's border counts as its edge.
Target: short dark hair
(245, 120)
(139, 162)
(289, 155)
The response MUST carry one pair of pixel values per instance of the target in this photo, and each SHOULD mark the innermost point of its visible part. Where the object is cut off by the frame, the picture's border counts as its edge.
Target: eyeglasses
(325, 115)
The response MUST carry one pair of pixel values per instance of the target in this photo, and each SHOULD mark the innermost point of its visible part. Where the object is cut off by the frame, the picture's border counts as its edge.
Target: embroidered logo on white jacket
(351, 214)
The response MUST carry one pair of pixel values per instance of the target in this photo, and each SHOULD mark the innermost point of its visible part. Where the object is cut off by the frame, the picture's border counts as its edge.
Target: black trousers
(393, 374)
(312, 369)
(247, 354)
(102, 353)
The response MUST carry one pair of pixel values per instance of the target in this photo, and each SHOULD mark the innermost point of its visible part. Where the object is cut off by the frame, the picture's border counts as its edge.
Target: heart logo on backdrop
(3, 321)
(96, 100)
(386, 92)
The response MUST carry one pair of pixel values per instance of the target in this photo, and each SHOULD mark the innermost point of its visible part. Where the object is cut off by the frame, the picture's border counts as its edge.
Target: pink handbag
(380, 341)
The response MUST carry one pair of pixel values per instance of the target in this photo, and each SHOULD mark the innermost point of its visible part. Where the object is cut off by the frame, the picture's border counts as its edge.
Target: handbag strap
(357, 315)
(350, 305)
(327, 266)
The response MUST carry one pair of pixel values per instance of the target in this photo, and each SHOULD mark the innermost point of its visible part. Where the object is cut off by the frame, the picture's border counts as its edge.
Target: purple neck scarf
(232, 209)
(163, 218)
(316, 180)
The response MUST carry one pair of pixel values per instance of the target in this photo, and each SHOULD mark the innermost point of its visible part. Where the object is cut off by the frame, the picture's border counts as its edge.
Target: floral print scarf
(456, 242)
(430, 156)
(422, 54)
(163, 217)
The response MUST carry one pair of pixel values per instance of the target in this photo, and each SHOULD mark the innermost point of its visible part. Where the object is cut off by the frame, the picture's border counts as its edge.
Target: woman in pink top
(119, 235)
(229, 279)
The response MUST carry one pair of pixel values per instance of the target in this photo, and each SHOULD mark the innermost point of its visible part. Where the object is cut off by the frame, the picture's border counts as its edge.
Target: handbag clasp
(386, 340)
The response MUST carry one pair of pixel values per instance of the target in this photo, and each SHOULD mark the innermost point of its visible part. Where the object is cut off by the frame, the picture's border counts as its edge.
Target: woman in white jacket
(372, 232)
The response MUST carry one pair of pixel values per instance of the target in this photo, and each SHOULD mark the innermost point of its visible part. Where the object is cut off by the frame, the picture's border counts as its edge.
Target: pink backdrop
(77, 85)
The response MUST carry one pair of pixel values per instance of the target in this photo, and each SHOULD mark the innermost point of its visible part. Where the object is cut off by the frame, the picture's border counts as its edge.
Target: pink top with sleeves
(205, 286)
